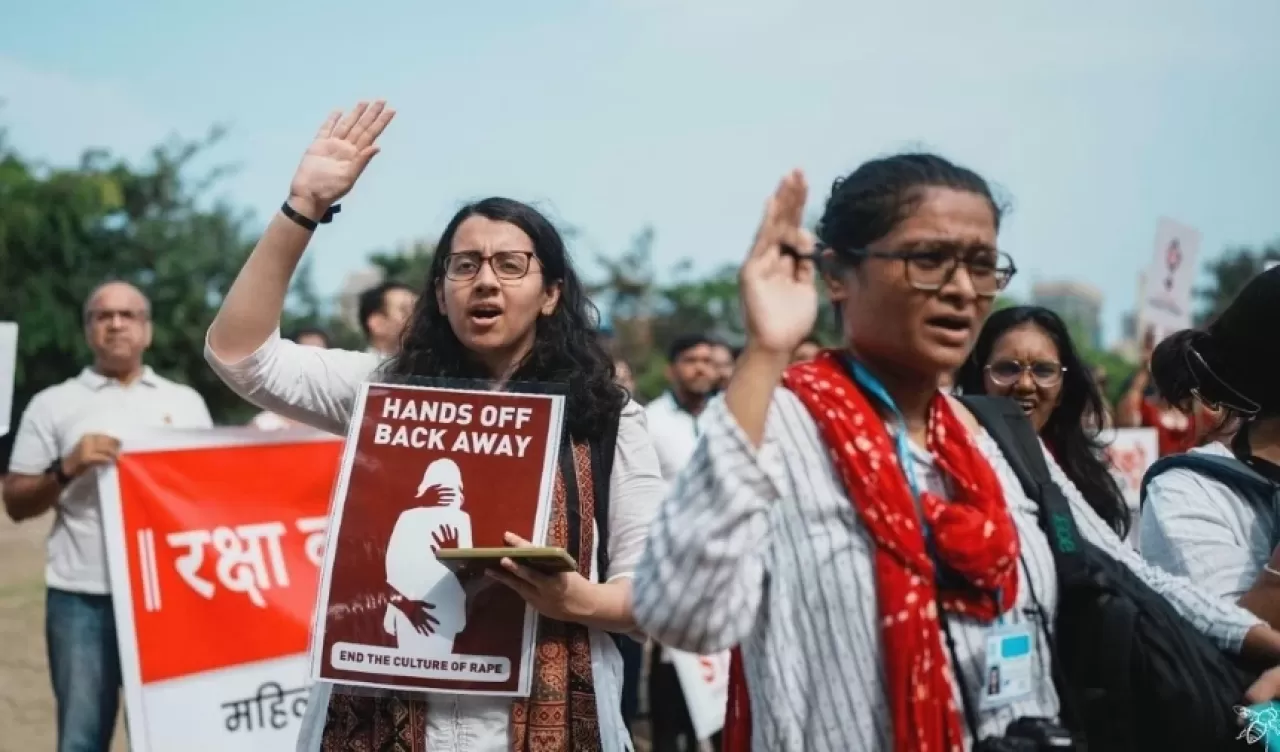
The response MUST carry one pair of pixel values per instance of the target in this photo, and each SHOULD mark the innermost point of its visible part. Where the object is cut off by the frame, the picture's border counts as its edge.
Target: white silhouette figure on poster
(417, 577)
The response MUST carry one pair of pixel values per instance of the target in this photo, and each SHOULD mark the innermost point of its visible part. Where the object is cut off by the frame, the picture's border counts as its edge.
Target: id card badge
(1010, 648)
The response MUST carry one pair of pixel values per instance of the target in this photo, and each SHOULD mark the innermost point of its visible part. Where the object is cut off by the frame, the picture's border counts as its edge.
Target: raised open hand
(445, 537)
(341, 150)
(779, 294)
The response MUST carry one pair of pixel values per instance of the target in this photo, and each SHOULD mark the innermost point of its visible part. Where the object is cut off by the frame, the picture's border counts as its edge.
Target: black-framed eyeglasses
(507, 265)
(1045, 373)
(931, 269)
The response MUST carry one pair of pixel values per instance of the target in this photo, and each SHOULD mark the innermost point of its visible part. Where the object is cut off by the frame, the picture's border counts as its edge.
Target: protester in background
(1213, 529)
(808, 350)
(722, 357)
(838, 614)
(502, 303)
(1026, 353)
(692, 378)
(68, 431)
(384, 312)
(1142, 406)
(269, 421)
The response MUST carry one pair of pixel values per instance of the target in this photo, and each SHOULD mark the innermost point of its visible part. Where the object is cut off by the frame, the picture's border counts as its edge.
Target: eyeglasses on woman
(462, 266)
(1045, 373)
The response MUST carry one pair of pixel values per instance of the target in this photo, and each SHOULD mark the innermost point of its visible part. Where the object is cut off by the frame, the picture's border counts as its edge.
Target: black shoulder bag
(1132, 672)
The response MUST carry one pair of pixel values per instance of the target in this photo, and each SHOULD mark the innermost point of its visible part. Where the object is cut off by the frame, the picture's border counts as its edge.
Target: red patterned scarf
(560, 713)
(973, 535)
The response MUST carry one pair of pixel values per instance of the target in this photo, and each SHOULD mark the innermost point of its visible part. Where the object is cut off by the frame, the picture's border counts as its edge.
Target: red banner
(215, 541)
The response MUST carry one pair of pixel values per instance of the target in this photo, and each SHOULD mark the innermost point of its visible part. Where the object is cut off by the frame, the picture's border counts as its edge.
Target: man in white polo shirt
(67, 431)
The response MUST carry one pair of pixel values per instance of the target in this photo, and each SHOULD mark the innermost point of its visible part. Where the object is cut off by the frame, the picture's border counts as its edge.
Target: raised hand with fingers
(341, 150)
(778, 280)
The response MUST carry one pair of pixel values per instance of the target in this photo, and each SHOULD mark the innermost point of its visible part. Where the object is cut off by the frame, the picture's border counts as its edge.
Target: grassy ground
(26, 699)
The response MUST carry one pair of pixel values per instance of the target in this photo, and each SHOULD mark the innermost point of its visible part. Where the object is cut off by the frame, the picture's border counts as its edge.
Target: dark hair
(1233, 362)
(1072, 429)
(374, 300)
(868, 203)
(685, 342)
(311, 331)
(566, 347)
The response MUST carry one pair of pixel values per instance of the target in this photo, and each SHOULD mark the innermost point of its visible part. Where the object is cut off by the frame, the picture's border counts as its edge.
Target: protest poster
(1169, 280)
(214, 543)
(428, 468)
(704, 680)
(1129, 452)
(8, 368)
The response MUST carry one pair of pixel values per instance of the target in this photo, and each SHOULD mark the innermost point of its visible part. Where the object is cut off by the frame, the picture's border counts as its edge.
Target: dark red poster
(425, 469)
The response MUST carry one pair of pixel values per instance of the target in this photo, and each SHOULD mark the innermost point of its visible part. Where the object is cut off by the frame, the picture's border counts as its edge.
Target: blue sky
(1094, 118)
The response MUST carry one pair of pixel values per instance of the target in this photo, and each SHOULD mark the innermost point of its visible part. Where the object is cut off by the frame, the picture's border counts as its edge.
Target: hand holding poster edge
(563, 596)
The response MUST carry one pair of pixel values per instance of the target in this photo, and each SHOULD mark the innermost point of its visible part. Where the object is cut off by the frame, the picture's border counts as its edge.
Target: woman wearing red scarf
(849, 525)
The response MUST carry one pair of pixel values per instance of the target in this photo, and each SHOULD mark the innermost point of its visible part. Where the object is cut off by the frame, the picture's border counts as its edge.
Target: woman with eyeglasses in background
(1026, 353)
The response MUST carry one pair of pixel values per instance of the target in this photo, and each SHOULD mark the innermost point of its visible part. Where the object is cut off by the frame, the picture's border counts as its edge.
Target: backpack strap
(1244, 480)
(1009, 428)
(1013, 433)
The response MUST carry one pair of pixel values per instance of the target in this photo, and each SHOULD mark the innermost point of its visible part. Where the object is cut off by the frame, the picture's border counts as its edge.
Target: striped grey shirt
(763, 548)
(1199, 527)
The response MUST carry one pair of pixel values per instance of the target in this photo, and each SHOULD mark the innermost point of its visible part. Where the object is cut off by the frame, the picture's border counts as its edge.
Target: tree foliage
(1229, 273)
(64, 230)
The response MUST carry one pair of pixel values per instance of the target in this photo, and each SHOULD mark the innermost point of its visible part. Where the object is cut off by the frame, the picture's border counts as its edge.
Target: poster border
(542, 517)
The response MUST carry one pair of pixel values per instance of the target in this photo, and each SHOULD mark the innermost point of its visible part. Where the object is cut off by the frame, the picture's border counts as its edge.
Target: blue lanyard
(902, 446)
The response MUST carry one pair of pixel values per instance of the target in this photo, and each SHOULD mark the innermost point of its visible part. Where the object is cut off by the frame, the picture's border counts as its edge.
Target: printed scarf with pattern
(560, 712)
(973, 535)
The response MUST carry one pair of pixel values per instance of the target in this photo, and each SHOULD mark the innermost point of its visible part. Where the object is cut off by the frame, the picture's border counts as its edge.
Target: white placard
(1170, 279)
(8, 368)
(704, 679)
(1130, 451)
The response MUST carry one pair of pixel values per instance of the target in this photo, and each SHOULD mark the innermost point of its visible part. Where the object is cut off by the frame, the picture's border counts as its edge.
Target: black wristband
(308, 223)
(58, 473)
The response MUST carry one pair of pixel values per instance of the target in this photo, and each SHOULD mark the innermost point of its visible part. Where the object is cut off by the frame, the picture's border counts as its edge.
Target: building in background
(1079, 305)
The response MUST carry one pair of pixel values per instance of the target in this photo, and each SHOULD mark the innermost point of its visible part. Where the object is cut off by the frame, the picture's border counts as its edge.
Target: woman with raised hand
(825, 497)
(501, 302)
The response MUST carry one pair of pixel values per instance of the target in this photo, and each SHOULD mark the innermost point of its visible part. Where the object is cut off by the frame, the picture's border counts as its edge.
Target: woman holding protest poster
(501, 303)
(866, 544)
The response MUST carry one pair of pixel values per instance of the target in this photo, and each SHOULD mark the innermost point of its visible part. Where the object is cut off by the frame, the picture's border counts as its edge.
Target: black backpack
(1131, 672)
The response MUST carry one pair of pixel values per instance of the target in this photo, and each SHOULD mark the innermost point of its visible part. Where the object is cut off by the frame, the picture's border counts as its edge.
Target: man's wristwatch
(61, 475)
